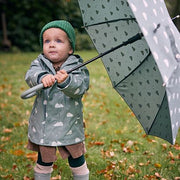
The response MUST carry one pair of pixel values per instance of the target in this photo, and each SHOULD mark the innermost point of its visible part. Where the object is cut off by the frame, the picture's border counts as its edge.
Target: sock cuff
(43, 169)
(81, 170)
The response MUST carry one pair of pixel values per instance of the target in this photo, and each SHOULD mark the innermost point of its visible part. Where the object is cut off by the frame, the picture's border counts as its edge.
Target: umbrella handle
(32, 91)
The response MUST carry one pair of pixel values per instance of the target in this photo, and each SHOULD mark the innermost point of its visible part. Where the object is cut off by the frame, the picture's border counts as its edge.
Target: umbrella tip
(178, 16)
(158, 25)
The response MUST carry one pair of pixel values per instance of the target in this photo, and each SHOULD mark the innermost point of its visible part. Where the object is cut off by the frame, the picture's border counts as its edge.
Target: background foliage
(25, 19)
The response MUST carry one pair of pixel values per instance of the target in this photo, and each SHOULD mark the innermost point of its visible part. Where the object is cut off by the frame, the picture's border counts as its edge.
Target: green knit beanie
(62, 24)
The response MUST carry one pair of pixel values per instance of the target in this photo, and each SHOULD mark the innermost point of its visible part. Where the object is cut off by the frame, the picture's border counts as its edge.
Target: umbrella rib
(133, 70)
(138, 36)
(157, 112)
(110, 21)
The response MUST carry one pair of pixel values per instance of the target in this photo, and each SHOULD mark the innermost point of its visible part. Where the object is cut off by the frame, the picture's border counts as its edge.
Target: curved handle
(32, 91)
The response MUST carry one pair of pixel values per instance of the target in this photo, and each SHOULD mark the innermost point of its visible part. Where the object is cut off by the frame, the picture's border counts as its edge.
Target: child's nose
(52, 44)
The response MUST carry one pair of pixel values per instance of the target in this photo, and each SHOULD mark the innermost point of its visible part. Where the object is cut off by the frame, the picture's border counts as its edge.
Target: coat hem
(57, 145)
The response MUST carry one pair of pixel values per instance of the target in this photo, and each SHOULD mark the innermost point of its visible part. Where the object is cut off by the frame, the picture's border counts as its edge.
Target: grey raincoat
(57, 117)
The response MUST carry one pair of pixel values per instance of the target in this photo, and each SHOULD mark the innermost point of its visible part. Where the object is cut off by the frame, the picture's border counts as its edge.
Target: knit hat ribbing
(65, 26)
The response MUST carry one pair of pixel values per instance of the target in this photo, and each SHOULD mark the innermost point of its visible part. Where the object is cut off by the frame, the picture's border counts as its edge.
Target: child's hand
(61, 76)
(48, 80)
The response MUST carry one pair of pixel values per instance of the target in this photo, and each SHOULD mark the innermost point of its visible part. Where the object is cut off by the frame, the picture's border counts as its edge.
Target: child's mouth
(52, 52)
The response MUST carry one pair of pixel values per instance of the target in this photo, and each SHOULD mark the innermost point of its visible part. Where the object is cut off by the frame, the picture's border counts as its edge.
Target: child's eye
(58, 41)
(46, 41)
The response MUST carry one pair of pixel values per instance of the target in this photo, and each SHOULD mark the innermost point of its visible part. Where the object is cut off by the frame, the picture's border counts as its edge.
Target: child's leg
(42, 170)
(79, 168)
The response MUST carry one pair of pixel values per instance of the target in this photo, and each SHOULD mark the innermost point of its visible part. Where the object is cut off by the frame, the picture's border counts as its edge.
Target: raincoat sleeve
(35, 73)
(78, 81)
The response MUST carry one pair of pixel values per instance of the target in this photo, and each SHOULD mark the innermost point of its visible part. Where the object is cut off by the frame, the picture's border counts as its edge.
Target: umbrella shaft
(32, 91)
(129, 41)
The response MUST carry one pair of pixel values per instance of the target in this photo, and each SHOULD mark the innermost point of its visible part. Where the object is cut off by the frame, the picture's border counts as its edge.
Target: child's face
(56, 45)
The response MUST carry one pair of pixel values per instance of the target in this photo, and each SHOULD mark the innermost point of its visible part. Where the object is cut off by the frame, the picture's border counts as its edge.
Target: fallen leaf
(151, 140)
(157, 175)
(144, 135)
(177, 178)
(130, 143)
(17, 124)
(14, 166)
(27, 112)
(18, 152)
(55, 166)
(141, 164)
(132, 114)
(32, 156)
(103, 122)
(157, 165)
(26, 178)
(3, 105)
(172, 162)
(148, 153)
(108, 171)
(127, 150)
(108, 154)
(122, 145)
(132, 170)
(118, 131)
(29, 167)
(117, 105)
(164, 146)
(97, 143)
(136, 148)
(6, 130)
(150, 177)
(171, 155)
(58, 177)
(107, 110)
(9, 176)
(9, 93)
(177, 146)
(3, 138)
(115, 141)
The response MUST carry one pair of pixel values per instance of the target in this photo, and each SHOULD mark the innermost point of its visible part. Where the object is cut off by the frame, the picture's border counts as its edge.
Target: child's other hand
(61, 76)
(48, 80)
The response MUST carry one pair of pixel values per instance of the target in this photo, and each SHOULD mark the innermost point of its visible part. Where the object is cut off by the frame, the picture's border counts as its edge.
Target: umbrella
(132, 65)
(146, 72)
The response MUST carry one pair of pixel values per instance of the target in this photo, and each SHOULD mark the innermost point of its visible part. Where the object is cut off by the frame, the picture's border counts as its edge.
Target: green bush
(24, 20)
(83, 42)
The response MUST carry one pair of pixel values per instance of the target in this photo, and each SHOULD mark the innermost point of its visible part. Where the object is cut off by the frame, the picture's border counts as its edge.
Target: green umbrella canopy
(135, 70)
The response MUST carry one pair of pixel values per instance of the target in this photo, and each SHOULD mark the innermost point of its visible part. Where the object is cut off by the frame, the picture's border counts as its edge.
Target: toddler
(56, 121)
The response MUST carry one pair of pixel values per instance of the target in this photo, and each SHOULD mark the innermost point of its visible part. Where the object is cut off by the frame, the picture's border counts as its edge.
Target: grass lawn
(117, 147)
